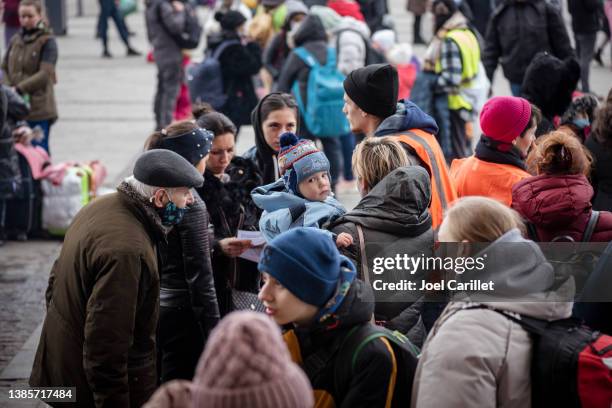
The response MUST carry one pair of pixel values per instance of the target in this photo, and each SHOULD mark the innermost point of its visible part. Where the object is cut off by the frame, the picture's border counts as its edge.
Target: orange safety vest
(443, 191)
(475, 177)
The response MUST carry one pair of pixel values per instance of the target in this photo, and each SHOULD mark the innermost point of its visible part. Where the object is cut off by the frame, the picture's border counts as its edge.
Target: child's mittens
(344, 240)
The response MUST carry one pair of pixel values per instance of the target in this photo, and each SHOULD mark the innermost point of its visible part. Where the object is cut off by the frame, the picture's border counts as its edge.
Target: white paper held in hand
(258, 242)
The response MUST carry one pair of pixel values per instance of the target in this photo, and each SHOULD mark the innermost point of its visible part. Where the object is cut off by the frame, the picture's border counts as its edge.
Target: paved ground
(105, 113)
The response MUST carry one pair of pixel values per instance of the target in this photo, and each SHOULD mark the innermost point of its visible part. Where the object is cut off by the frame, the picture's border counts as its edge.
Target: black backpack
(345, 352)
(576, 260)
(189, 38)
(568, 363)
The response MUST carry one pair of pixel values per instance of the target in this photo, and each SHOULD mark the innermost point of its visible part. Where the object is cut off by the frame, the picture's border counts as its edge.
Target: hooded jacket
(560, 205)
(350, 40)
(262, 155)
(277, 204)
(395, 219)
(519, 29)
(103, 304)
(311, 35)
(374, 385)
(478, 356)
(415, 130)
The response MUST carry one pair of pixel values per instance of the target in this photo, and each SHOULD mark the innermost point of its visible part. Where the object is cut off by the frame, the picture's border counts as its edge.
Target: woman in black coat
(188, 302)
(239, 62)
(600, 146)
(12, 109)
(228, 182)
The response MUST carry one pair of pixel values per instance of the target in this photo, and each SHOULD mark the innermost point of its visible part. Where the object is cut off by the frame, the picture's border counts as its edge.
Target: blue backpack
(323, 114)
(205, 80)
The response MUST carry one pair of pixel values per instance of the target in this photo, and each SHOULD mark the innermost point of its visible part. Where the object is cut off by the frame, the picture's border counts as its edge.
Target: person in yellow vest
(349, 361)
(371, 107)
(508, 124)
(454, 55)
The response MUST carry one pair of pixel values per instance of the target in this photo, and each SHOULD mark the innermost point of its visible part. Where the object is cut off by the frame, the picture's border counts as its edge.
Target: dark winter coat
(12, 108)
(373, 11)
(187, 274)
(585, 15)
(29, 66)
(103, 305)
(481, 11)
(374, 364)
(262, 155)
(275, 54)
(601, 175)
(312, 36)
(518, 30)
(231, 208)
(558, 206)
(238, 64)
(395, 219)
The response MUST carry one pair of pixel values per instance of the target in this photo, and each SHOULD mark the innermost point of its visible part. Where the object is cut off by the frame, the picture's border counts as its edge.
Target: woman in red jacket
(557, 202)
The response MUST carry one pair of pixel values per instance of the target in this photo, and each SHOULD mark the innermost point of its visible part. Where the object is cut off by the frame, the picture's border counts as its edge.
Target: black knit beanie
(374, 89)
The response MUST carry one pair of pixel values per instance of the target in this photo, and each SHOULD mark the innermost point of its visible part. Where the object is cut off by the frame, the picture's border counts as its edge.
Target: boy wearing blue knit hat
(302, 197)
(349, 361)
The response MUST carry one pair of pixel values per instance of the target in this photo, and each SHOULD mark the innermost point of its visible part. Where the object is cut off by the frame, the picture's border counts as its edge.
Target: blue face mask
(581, 123)
(171, 214)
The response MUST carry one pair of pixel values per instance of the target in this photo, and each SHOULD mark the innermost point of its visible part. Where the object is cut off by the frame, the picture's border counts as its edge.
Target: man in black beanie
(103, 293)
(371, 107)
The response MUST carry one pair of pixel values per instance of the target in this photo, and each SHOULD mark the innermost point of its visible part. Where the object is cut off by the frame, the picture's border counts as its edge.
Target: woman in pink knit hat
(508, 128)
(245, 364)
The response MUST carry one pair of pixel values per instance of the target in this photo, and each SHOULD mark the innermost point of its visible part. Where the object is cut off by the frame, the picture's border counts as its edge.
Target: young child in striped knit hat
(302, 197)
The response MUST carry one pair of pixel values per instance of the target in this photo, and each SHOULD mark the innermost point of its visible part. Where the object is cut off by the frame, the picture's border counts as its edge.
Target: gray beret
(164, 168)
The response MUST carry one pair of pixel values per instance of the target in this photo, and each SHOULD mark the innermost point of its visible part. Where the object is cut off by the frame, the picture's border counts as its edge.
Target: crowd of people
(218, 280)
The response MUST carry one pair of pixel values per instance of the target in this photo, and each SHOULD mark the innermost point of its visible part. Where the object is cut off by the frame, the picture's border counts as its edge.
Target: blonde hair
(480, 219)
(376, 157)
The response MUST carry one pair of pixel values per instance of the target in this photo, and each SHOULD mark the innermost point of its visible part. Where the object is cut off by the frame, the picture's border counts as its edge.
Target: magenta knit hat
(246, 364)
(503, 118)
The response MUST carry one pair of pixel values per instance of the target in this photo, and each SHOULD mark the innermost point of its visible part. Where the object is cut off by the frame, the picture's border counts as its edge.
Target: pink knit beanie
(503, 118)
(246, 364)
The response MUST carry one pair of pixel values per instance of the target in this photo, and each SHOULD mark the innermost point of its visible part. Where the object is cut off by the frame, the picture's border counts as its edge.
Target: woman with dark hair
(228, 181)
(275, 114)
(188, 302)
(600, 146)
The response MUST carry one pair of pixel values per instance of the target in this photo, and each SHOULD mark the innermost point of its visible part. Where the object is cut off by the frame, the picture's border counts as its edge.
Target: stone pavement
(105, 111)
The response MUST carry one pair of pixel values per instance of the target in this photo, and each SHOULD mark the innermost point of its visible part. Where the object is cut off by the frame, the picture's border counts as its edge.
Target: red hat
(503, 118)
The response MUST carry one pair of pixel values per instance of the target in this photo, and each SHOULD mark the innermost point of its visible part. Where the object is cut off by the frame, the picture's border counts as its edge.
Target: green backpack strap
(355, 341)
